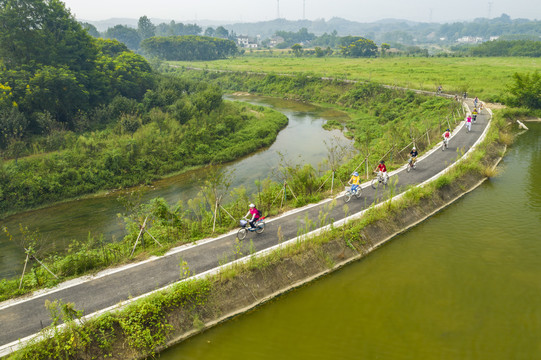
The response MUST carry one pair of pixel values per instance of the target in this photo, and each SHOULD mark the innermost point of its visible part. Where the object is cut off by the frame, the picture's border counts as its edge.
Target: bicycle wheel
(242, 234)
(374, 183)
(347, 196)
(260, 227)
(408, 168)
(358, 192)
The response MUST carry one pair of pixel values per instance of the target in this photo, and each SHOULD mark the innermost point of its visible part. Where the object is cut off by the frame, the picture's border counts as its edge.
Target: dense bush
(508, 48)
(189, 47)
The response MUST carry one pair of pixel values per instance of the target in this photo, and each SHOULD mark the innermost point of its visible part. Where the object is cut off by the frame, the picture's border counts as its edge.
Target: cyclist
(474, 115)
(475, 101)
(468, 122)
(439, 89)
(413, 156)
(354, 181)
(446, 135)
(256, 214)
(382, 171)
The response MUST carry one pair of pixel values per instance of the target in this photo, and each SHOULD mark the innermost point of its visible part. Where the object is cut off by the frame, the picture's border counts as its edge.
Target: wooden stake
(289, 187)
(46, 268)
(24, 269)
(140, 234)
(215, 210)
(227, 213)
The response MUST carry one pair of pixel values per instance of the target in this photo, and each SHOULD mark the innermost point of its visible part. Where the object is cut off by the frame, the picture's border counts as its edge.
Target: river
(465, 284)
(302, 140)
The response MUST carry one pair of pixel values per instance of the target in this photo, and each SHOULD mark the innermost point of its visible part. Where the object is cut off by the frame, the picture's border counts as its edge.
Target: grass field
(486, 78)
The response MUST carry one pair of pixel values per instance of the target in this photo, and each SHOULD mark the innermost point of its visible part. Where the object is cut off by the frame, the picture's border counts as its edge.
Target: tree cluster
(52, 70)
(526, 90)
(290, 38)
(508, 48)
(356, 46)
(189, 47)
(486, 28)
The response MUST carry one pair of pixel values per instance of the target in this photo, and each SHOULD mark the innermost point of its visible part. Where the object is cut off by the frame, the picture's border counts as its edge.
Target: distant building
(246, 42)
(470, 40)
(492, 38)
(275, 41)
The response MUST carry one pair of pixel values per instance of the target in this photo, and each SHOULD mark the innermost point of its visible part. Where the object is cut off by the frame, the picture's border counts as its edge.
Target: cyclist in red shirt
(383, 171)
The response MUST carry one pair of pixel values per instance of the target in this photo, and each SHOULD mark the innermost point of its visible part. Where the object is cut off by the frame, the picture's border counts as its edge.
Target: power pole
(490, 8)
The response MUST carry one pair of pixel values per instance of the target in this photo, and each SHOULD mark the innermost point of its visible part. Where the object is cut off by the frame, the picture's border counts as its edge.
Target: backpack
(259, 213)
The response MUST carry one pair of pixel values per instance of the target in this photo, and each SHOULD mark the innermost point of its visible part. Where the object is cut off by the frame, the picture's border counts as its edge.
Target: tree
(297, 49)
(111, 47)
(13, 125)
(189, 47)
(124, 34)
(358, 47)
(145, 28)
(221, 32)
(526, 90)
(210, 31)
(91, 29)
(43, 32)
(384, 48)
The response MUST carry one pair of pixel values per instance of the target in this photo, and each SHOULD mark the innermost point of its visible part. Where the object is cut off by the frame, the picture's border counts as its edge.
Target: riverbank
(261, 279)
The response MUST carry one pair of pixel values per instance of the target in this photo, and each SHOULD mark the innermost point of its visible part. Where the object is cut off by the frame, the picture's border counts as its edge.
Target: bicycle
(349, 193)
(379, 179)
(244, 227)
(445, 144)
(412, 164)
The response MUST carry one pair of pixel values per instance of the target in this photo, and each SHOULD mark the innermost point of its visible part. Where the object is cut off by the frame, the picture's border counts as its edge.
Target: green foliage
(508, 48)
(297, 49)
(143, 323)
(174, 28)
(489, 27)
(290, 38)
(124, 34)
(51, 65)
(189, 47)
(145, 28)
(356, 46)
(526, 90)
(186, 125)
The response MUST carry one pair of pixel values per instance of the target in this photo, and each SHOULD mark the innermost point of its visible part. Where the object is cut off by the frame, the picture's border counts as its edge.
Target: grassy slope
(483, 77)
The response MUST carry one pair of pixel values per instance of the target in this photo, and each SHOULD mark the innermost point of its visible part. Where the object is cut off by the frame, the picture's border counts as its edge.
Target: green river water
(465, 284)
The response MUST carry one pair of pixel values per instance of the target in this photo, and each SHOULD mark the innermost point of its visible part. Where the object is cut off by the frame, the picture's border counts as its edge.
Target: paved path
(22, 318)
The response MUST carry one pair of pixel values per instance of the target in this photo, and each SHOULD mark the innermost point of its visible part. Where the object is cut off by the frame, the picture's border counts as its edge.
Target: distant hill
(103, 25)
(393, 31)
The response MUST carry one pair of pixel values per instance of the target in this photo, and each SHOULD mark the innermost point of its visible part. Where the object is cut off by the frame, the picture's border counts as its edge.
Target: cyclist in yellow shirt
(354, 181)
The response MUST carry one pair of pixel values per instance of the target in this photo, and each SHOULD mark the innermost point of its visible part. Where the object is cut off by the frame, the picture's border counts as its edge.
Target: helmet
(355, 173)
(413, 148)
(382, 162)
(252, 205)
(447, 130)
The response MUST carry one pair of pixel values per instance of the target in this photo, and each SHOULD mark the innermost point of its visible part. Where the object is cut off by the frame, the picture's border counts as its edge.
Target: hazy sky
(260, 10)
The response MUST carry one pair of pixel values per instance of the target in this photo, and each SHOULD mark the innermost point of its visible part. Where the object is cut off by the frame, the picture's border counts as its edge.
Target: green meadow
(484, 77)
